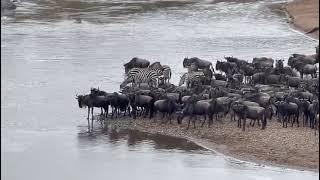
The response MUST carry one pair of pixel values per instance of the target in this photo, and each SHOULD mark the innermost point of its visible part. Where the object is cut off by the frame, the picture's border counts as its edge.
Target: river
(53, 49)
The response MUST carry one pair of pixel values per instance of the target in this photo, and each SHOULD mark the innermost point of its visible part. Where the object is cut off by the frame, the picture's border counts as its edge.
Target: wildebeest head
(279, 64)
(186, 62)
(130, 64)
(80, 99)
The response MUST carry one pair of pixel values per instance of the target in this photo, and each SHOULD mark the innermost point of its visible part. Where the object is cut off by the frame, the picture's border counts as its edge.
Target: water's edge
(206, 144)
(281, 10)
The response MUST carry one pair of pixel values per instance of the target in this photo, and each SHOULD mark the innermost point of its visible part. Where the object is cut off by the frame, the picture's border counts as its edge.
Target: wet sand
(293, 147)
(304, 15)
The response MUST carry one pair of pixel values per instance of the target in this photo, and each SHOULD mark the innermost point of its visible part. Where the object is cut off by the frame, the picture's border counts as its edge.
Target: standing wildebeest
(201, 64)
(239, 62)
(287, 110)
(307, 69)
(166, 106)
(227, 67)
(136, 63)
(142, 101)
(306, 59)
(252, 112)
(119, 102)
(262, 63)
(194, 108)
(92, 101)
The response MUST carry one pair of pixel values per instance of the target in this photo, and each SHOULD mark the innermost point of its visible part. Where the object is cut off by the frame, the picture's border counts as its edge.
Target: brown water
(48, 55)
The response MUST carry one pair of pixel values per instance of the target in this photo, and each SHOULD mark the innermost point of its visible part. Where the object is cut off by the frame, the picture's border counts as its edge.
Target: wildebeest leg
(194, 121)
(170, 118)
(112, 111)
(107, 111)
(129, 111)
(88, 119)
(101, 112)
(163, 115)
(244, 124)
(188, 123)
(92, 118)
(204, 120)
(252, 122)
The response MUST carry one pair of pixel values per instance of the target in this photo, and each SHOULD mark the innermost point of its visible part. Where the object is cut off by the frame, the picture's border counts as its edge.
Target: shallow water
(48, 55)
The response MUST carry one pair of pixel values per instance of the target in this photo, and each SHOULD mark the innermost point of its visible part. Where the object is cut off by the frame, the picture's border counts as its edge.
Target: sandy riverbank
(285, 147)
(304, 14)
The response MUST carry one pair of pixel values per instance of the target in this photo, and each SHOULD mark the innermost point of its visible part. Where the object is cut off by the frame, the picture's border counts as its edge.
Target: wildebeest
(262, 63)
(119, 102)
(192, 109)
(307, 69)
(92, 101)
(136, 63)
(142, 101)
(166, 106)
(201, 64)
(251, 112)
(227, 67)
(288, 110)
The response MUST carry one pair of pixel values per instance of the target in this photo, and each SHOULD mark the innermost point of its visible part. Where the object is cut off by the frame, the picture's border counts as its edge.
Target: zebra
(165, 75)
(136, 76)
(191, 78)
(163, 71)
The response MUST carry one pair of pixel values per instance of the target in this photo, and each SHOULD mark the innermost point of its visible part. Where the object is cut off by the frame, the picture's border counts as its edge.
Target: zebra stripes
(191, 78)
(166, 73)
(136, 76)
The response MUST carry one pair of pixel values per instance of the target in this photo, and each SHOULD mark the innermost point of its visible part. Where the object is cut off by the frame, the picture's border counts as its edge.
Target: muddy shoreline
(292, 147)
(302, 16)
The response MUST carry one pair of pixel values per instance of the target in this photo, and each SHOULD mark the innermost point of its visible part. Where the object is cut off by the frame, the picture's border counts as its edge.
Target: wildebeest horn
(77, 96)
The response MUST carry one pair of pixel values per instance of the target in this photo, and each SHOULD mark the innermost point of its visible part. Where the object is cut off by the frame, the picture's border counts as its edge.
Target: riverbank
(292, 147)
(302, 14)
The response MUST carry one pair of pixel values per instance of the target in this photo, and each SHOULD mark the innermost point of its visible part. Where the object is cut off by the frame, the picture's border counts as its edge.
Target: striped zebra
(163, 71)
(166, 73)
(191, 78)
(136, 76)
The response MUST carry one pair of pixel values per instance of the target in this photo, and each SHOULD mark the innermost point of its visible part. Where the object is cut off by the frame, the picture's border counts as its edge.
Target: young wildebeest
(166, 106)
(92, 101)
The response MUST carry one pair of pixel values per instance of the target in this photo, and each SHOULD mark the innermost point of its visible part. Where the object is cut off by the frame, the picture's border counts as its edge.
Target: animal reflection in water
(258, 90)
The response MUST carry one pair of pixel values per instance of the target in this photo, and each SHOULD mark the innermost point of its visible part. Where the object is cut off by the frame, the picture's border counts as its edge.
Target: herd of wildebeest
(258, 90)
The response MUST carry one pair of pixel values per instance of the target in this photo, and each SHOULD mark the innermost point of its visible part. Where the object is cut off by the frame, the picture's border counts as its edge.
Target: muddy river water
(53, 49)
